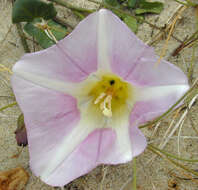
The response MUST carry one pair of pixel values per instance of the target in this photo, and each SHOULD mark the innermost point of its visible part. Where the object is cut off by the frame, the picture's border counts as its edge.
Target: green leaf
(28, 10)
(132, 3)
(140, 19)
(149, 7)
(41, 37)
(131, 23)
(57, 30)
(113, 3)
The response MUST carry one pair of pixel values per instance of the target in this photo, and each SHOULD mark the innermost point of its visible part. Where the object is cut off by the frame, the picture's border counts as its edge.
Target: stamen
(101, 96)
(106, 105)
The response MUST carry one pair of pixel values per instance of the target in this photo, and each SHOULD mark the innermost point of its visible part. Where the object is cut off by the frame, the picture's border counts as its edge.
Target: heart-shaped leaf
(28, 10)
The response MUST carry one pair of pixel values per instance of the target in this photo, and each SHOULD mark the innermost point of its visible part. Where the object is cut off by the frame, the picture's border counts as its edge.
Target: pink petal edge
(49, 115)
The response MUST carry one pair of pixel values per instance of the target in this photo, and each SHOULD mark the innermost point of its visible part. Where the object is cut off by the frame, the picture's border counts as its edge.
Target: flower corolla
(84, 98)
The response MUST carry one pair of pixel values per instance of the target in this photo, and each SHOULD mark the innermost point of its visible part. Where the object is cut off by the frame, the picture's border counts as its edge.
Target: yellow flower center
(110, 94)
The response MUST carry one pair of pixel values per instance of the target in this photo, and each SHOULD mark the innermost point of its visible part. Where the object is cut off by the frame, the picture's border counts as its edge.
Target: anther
(101, 96)
(106, 105)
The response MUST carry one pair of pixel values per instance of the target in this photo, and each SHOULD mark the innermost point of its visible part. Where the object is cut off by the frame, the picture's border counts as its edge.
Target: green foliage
(41, 37)
(113, 3)
(149, 7)
(132, 3)
(131, 23)
(20, 121)
(28, 10)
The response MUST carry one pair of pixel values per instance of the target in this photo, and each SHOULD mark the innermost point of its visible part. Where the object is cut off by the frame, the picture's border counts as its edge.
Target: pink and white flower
(84, 98)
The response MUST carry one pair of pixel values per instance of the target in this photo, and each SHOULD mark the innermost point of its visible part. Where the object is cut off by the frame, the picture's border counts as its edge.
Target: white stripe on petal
(122, 147)
(123, 142)
(149, 93)
(103, 57)
(73, 89)
(88, 123)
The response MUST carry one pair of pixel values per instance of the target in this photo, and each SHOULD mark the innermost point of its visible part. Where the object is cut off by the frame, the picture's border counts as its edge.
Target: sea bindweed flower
(84, 98)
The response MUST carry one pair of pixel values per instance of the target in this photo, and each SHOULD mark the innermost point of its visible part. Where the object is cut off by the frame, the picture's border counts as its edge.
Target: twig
(23, 40)
(185, 44)
(169, 34)
(173, 162)
(188, 177)
(181, 119)
(8, 106)
(2, 41)
(134, 174)
(4, 68)
(176, 126)
(167, 27)
(173, 156)
(178, 137)
(166, 133)
(103, 177)
(181, 2)
(188, 3)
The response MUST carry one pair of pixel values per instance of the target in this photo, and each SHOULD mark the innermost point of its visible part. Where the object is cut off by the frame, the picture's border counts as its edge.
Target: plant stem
(134, 174)
(8, 106)
(180, 2)
(23, 40)
(171, 155)
(191, 3)
(72, 7)
(192, 63)
(186, 43)
(79, 15)
(174, 162)
(188, 3)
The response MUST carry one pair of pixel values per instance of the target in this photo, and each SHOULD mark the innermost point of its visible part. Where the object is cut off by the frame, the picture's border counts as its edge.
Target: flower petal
(138, 140)
(129, 142)
(153, 101)
(122, 47)
(72, 59)
(157, 92)
(133, 60)
(78, 90)
(84, 158)
(150, 73)
(59, 136)
(121, 152)
(104, 59)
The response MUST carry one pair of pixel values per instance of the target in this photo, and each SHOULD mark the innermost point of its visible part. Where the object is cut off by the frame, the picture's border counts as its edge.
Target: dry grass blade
(164, 49)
